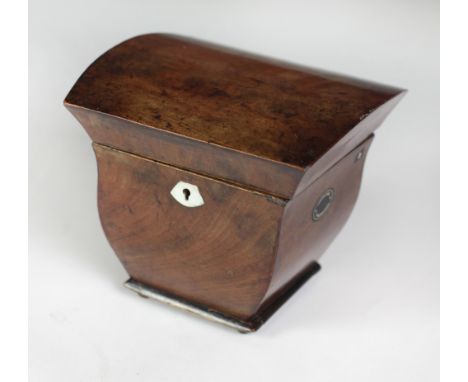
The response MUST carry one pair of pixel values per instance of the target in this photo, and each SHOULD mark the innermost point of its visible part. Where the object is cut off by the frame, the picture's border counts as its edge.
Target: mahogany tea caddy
(223, 176)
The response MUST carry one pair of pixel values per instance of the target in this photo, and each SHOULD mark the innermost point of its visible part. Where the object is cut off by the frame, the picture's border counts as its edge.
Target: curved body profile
(223, 177)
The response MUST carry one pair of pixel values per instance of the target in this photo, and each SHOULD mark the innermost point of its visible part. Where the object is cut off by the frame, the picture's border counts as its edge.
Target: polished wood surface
(263, 141)
(231, 166)
(237, 253)
(232, 115)
(301, 240)
(220, 254)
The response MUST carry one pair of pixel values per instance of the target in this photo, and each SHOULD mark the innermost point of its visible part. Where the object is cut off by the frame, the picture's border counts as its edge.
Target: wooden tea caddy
(223, 176)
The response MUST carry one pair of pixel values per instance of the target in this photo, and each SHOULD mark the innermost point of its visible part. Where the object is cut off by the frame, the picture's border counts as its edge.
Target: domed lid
(278, 115)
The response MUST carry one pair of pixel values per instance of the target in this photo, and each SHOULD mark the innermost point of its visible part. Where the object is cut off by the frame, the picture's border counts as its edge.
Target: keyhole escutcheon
(187, 194)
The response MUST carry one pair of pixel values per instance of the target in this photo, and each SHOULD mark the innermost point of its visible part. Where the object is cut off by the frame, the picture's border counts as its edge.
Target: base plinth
(253, 324)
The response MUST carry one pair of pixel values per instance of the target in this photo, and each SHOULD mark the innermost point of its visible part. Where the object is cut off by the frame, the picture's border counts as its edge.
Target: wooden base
(251, 325)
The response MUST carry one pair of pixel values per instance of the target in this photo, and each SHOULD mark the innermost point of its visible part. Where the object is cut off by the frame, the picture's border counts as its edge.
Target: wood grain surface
(263, 140)
(237, 252)
(219, 254)
(302, 240)
(263, 122)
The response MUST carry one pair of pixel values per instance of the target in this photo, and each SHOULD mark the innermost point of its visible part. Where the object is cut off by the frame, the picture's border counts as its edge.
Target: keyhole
(186, 193)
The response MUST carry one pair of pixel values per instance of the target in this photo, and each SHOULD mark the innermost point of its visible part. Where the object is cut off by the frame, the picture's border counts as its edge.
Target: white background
(372, 313)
